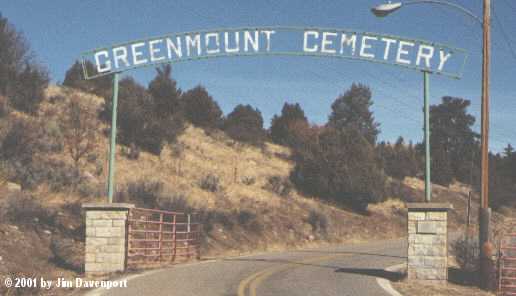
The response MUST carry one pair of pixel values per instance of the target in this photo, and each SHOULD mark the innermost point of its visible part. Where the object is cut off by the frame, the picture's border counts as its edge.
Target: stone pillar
(106, 237)
(428, 241)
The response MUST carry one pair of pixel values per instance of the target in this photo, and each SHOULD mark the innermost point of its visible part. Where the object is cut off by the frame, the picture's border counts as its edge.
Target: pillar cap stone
(429, 206)
(107, 206)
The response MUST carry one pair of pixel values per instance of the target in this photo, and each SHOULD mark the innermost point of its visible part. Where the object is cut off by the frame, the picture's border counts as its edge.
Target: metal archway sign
(284, 41)
(421, 55)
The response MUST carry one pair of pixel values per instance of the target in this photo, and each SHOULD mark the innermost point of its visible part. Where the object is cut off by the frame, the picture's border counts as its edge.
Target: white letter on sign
(305, 41)
(249, 40)
(237, 42)
(136, 53)
(154, 50)
(120, 54)
(195, 42)
(401, 51)
(268, 38)
(444, 58)
(388, 43)
(107, 64)
(366, 46)
(175, 47)
(351, 41)
(426, 56)
(326, 42)
(207, 43)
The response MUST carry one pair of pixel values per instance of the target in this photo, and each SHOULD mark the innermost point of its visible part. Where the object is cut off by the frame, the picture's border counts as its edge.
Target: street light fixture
(385, 9)
(485, 212)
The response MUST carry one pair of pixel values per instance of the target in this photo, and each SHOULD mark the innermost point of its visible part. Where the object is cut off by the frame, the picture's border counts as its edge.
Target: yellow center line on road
(254, 280)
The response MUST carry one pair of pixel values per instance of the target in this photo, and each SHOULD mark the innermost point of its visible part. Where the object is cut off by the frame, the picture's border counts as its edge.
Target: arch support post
(112, 142)
(426, 94)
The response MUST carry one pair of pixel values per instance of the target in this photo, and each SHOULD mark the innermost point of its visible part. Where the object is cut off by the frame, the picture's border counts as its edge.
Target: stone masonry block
(411, 227)
(424, 239)
(89, 257)
(96, 241)
(93, 267)
(435, 262)
(427, 227)
(115, 249)
(116, 241)
(416, 261)
(90, 231)
(103, 223)
(439, 216)
(119, 223)
(416, 216)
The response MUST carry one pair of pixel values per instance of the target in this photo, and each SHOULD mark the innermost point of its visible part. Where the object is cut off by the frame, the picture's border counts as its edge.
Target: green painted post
(428, 184)
(112, 146)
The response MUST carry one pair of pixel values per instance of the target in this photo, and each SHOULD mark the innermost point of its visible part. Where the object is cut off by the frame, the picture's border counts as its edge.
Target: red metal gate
(158, 237)
(507, 263)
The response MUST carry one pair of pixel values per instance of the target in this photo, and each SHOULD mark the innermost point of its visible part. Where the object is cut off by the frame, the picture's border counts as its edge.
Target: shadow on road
(389, 275)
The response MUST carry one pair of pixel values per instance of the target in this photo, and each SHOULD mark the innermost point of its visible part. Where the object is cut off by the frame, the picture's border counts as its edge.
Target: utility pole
(485, 211)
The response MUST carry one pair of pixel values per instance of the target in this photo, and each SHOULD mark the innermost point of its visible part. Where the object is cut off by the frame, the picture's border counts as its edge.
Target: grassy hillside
(240, 193)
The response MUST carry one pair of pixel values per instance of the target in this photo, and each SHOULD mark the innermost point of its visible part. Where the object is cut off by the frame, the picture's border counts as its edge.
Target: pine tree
(245, 124)
(283, 128)
(351, 111)
(201, 109)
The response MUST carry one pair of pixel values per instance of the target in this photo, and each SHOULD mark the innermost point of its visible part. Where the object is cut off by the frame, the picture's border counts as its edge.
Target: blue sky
(59, 31)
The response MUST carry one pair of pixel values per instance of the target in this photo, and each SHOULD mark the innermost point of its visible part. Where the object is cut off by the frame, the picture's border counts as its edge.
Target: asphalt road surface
(348, 270)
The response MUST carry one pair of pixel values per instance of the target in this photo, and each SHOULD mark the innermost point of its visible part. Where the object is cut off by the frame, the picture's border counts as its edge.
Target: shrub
(79, 125)
(20, 142)
(67, 253)
(248, 221)
(23, 209)
(210, 183)
(201, 109)
(245, 124)
(279, 185)
(318, 221)
(87, 189)
(466, 252)
(248, 180)
(209, 218)
(143, 193)
(175, 202)
(4, 107)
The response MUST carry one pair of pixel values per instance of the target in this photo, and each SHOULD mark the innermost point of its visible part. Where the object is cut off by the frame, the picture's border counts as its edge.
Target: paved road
(344, 271)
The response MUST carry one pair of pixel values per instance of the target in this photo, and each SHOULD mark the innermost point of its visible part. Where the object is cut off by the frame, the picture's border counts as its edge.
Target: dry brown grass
(448, 289)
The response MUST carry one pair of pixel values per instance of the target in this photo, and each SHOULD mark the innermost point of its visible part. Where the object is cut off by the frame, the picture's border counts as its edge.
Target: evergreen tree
(340, 166)
(201, 109)
(283, 128)
(22, 80)
(453, 141)
(351, 111)
(166, 103)
(245, 124)
(74, 78)
(165, 93)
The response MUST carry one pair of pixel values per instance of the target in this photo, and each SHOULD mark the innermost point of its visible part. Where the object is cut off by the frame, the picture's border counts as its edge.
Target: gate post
(106, 237)
(427, 241)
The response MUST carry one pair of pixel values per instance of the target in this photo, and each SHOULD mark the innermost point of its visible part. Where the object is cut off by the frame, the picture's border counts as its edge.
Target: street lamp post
(485, 212)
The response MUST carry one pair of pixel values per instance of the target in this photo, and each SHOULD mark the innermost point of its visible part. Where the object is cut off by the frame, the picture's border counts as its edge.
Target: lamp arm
(450, 4)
